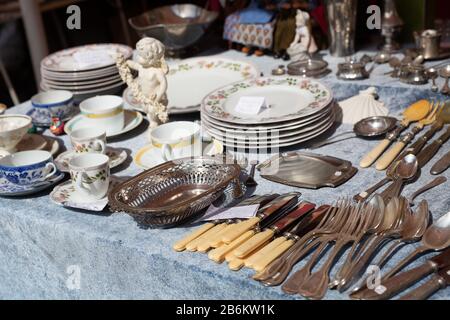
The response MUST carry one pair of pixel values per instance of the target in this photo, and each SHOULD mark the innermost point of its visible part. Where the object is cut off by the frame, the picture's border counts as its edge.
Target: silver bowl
(177, 26)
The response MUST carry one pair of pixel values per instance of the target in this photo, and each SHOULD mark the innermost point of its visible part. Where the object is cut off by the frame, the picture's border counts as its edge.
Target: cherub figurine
(150, 86)
(303, 42)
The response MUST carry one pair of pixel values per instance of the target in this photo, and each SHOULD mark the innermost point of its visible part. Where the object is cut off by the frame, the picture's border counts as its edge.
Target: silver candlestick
(391, 24)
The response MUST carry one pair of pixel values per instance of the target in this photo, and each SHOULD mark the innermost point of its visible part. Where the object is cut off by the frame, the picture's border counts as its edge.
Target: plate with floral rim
(286, 98)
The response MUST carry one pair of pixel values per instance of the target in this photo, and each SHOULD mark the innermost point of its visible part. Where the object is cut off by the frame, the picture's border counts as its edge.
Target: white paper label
(92, 58)
(242, 212)
(250, 105)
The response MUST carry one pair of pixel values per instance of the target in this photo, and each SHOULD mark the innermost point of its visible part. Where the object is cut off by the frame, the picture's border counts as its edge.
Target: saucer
(132, 120)
(12, 190)
(116, 156)
(41, 120)
(33, 141)
(65, 195)
(149, 156)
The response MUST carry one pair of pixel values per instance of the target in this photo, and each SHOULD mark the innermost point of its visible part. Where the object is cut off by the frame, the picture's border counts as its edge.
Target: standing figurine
(150, 86)
(303, 42)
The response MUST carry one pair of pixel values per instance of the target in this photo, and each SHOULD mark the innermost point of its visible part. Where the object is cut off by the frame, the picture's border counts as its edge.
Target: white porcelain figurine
(303, 42)
(150, 85)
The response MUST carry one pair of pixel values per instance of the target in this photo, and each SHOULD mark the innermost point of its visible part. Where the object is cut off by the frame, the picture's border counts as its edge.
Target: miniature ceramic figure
(303, 43)
(57, 126)
(150, 86)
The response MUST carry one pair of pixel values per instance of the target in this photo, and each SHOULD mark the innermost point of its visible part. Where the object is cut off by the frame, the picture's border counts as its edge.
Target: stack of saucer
(86, 71)
(294, 110)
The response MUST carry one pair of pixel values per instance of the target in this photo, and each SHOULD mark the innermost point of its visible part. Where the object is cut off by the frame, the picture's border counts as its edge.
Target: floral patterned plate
(8, 189)
(116, 156)
(190, 80)
(65, 195)
(287, 98)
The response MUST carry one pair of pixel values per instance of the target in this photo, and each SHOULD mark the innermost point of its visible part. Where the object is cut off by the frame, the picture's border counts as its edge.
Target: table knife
(430, 150)
(214, 226)
(265, 212)
(278, 246)
(441, 165)
(394, 285)
(439, 281)
(276, 228)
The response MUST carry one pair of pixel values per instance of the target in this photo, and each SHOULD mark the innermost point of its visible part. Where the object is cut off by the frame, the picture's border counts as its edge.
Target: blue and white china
(27, 168)
(105, 112)
(53, 103)
(13, 128)
(15, 190)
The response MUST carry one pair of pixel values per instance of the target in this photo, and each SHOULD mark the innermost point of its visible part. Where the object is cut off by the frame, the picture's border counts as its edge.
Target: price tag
(240, 212)
(92, 58)
(250, 105)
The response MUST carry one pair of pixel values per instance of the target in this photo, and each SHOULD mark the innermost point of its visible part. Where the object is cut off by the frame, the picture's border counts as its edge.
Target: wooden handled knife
(439, 281)
(430, 150)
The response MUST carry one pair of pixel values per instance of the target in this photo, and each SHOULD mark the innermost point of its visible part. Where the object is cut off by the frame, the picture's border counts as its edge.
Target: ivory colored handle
(218, 254)
(239, 229)
(236, 264)
(205, 244)
(266, 250)
(390, 156)
(373, 155)
(262, 263)
(181, 244)
(192, 246)
(254, 242)
(217, 241)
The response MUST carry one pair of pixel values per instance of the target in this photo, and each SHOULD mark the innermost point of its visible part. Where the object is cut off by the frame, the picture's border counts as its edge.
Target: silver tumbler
(341, 15)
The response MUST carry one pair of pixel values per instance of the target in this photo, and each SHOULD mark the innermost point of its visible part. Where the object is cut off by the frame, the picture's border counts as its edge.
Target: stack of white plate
(86, 71)
(296, 110)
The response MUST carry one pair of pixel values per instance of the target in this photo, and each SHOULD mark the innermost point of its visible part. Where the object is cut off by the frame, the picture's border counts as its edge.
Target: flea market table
(42, 245)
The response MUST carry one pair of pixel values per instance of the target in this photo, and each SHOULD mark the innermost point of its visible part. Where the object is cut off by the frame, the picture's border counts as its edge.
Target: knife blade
(439, 281)
(441, 165)
(274, 229)
(401, 281)
(265, 212)
(430, 150)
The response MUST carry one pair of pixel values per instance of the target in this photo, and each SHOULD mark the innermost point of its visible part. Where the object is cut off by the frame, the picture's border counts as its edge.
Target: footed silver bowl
(177, 26)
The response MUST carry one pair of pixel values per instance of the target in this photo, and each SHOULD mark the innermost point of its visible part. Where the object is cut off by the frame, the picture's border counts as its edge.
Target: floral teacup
(27, 167)
(88, 140)
(90, 175)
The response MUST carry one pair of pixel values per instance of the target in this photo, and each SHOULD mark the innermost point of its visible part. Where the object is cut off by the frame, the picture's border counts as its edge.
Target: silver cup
(341, 16)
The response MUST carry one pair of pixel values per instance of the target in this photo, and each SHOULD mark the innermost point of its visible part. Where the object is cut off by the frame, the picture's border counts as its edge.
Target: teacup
(28, 167)
(105, 112)
(53, 103)
(177, 139)
(90, 175)
(13, 128)
(88, 140)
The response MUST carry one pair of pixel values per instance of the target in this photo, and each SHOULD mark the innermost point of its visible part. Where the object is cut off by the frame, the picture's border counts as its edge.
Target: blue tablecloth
(45, 249)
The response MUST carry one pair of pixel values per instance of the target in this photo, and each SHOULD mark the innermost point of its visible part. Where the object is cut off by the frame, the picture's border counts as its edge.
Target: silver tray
(307, 170)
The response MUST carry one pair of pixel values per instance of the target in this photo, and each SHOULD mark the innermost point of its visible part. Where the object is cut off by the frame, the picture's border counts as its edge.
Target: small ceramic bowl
(13, 127)
(53, 103)
(105, 112)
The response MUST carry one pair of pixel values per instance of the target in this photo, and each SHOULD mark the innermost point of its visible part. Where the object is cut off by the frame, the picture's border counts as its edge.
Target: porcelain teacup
(13, 128)
(105, 112)
(53, 103)
(90, 175)
(27, 167)
(177, 139)
(88, 140)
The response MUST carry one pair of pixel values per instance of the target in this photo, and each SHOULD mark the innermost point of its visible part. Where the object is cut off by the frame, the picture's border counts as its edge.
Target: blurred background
(104, 21)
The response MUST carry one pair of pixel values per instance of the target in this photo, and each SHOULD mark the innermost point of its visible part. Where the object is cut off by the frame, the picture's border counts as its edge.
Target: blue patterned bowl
(54, 103)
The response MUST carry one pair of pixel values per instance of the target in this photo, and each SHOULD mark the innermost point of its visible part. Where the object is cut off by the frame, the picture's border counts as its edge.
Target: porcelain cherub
(303, 42)
(150, 86)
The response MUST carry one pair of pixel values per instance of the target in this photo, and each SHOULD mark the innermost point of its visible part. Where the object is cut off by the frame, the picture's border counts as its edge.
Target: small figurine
(303, 42)
(57, 126)
(150, 86)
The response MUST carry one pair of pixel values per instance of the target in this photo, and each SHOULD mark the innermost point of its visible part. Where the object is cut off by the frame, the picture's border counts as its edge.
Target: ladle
(368, 127)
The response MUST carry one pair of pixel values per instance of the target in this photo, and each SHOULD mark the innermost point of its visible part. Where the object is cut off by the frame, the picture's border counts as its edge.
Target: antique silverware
(444, 72)
(250, 181)
(430, 150)
(439, 281)
(435, 238)
(308, 68)
(341, 17)
(429, 43)
(432, 73)
(279, 71)
(382, 57)
(413, 74)
(430, 185)
(352, 70)
(306, 170)
(174, 191)
(441, 165)
(368, 127)
(390, 25)
(402, 281)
